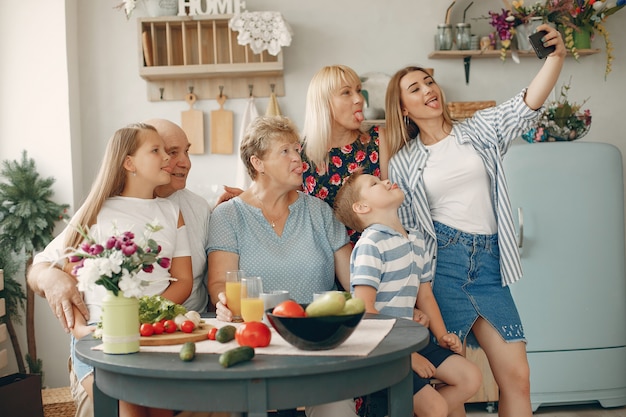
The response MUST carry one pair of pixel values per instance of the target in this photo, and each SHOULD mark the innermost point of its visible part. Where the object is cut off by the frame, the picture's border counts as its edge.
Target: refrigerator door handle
(520, 232)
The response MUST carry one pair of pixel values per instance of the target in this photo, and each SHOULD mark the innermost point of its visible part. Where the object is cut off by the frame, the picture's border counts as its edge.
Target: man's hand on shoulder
(229, 192)
(60, 290)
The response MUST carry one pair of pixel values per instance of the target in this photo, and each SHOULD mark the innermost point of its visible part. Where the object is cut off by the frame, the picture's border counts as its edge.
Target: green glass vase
(582, 38)
(120, 324)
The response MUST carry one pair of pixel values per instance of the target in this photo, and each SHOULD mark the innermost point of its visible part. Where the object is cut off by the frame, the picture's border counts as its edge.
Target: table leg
(257, 398)
(401, 397)
(103, 405)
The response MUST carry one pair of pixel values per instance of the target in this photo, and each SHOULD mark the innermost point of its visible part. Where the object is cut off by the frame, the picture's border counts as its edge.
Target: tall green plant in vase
(27, 220)
(15, 300)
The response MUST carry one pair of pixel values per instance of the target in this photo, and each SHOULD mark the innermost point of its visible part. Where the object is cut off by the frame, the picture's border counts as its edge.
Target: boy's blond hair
(348, 194)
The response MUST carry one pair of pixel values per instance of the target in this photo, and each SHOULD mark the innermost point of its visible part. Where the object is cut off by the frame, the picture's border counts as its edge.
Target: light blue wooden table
(268, 382)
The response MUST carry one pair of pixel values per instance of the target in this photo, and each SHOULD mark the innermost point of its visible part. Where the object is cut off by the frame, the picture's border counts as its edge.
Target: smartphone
(540, 50)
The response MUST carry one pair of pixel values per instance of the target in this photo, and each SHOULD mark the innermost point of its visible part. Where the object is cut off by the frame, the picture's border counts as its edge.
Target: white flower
(130, 285)
(129, 6)
(88, 275)
(111, 265)
(598, 6)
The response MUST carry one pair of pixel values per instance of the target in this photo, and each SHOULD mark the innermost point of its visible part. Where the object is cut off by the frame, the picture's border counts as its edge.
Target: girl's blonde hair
(398, 131)
(318, 116)
(261, 135)
(110, 180)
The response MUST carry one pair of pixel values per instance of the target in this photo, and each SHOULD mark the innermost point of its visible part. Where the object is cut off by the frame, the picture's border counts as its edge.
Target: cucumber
(187, 352)
(236, 355)
(225, 334)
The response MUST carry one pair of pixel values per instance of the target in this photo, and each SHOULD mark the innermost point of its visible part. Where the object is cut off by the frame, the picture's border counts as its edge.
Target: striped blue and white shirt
(394, 265)
(490, 132)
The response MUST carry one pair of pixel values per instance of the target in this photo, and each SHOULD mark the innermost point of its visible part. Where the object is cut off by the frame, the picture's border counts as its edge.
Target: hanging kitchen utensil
(221, 128)
(192, 122)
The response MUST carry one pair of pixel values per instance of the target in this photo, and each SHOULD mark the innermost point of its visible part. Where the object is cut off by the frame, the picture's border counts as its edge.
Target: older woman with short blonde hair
(273, 230)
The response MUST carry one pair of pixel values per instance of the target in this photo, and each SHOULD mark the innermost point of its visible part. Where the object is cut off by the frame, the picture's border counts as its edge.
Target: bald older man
(60, 289)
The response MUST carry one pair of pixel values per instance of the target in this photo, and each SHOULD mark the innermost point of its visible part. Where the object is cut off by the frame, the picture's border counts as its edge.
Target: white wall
(368, 35)
(35, 115)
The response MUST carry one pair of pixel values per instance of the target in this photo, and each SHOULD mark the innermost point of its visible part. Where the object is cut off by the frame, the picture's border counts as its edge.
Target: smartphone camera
(540, 50)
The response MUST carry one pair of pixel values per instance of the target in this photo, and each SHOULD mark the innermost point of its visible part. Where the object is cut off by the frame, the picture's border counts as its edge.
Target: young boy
(389, 273)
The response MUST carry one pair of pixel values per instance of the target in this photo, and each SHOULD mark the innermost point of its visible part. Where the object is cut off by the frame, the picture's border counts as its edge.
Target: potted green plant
(561, 120)
(27, 220)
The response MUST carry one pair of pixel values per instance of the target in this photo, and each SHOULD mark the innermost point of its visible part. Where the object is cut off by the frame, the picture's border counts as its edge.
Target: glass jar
(463, 36)
(444, 36)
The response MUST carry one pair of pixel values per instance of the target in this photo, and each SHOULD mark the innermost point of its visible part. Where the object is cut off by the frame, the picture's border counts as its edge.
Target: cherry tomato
(187, 326)
(211, 335)
(146, 329)
(170, 326)
(289, 308)
(158, 327)
(254, 334)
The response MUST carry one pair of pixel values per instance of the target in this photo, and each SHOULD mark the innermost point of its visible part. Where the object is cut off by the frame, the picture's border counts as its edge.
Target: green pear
(353, 306)
(329, 304)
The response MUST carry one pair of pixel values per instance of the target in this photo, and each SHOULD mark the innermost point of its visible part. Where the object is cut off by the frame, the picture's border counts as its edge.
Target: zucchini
(236, 355)
(187, 352)
(225, 334)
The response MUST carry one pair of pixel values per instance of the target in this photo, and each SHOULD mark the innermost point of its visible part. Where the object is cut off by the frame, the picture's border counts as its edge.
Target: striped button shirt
(490, 132)
(392, 264)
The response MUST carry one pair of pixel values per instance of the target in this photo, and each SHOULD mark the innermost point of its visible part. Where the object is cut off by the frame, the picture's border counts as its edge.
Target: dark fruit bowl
(315, 333)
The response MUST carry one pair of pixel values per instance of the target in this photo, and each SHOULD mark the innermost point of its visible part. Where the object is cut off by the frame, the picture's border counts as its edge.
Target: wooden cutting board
(192, 122)
(221, 129)
(176, 338)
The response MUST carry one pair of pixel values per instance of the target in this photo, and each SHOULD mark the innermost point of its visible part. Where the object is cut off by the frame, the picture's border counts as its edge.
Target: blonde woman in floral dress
(334, 143)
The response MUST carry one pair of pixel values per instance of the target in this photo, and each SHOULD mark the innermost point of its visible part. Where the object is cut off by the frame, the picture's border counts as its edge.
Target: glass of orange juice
(251, 301)
(233, 293)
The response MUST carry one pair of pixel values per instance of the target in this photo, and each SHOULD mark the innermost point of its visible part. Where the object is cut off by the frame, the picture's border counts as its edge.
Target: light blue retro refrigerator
(569, 200)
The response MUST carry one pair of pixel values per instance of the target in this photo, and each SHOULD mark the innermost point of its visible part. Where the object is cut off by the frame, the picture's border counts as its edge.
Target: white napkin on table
(367, 335)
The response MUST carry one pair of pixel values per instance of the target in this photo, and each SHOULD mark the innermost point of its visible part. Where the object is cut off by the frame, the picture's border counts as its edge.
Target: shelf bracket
(466, 65)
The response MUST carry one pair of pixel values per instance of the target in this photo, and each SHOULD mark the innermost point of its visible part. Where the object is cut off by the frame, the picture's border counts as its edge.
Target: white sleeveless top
(457, 187)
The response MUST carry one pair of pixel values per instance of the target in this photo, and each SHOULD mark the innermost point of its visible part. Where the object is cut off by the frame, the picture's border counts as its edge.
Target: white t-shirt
(130, 214)
(196, 212)
(458, 187)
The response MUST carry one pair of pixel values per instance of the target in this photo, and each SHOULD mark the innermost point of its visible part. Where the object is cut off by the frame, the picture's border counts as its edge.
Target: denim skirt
(81, 369)
(468, 285)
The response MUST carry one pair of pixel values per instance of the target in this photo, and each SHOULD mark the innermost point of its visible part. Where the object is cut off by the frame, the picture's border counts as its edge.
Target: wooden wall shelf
(201, 52)
(456, 54)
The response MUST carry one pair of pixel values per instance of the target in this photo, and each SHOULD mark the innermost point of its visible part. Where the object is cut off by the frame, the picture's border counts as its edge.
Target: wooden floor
(583, 410)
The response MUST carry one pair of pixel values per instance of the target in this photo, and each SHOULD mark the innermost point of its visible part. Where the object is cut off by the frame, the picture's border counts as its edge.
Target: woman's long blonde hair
(318, 116)
(398, 132)
(110, 180)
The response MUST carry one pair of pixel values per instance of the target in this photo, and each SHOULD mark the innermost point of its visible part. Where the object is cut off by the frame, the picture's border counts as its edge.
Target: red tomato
(187, 326)
(158, 327)
(170, 326)
(211, 335)
(254, 334)
(289, 308)
(146, 329)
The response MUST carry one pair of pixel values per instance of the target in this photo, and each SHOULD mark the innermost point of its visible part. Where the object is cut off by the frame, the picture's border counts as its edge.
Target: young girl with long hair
(122, 199)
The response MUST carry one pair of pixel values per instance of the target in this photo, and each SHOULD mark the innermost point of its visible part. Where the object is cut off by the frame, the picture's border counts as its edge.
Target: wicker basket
(58, 402)
(463, 109)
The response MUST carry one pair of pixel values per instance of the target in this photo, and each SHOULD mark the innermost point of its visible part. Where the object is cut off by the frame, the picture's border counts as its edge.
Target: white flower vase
(522, 32)
(120, 324)
(157, 8)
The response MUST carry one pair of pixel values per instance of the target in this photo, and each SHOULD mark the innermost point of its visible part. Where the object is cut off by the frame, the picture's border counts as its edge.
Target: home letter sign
(212, 7)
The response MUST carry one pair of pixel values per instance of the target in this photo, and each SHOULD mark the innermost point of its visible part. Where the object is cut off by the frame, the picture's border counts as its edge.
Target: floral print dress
(363, 152)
